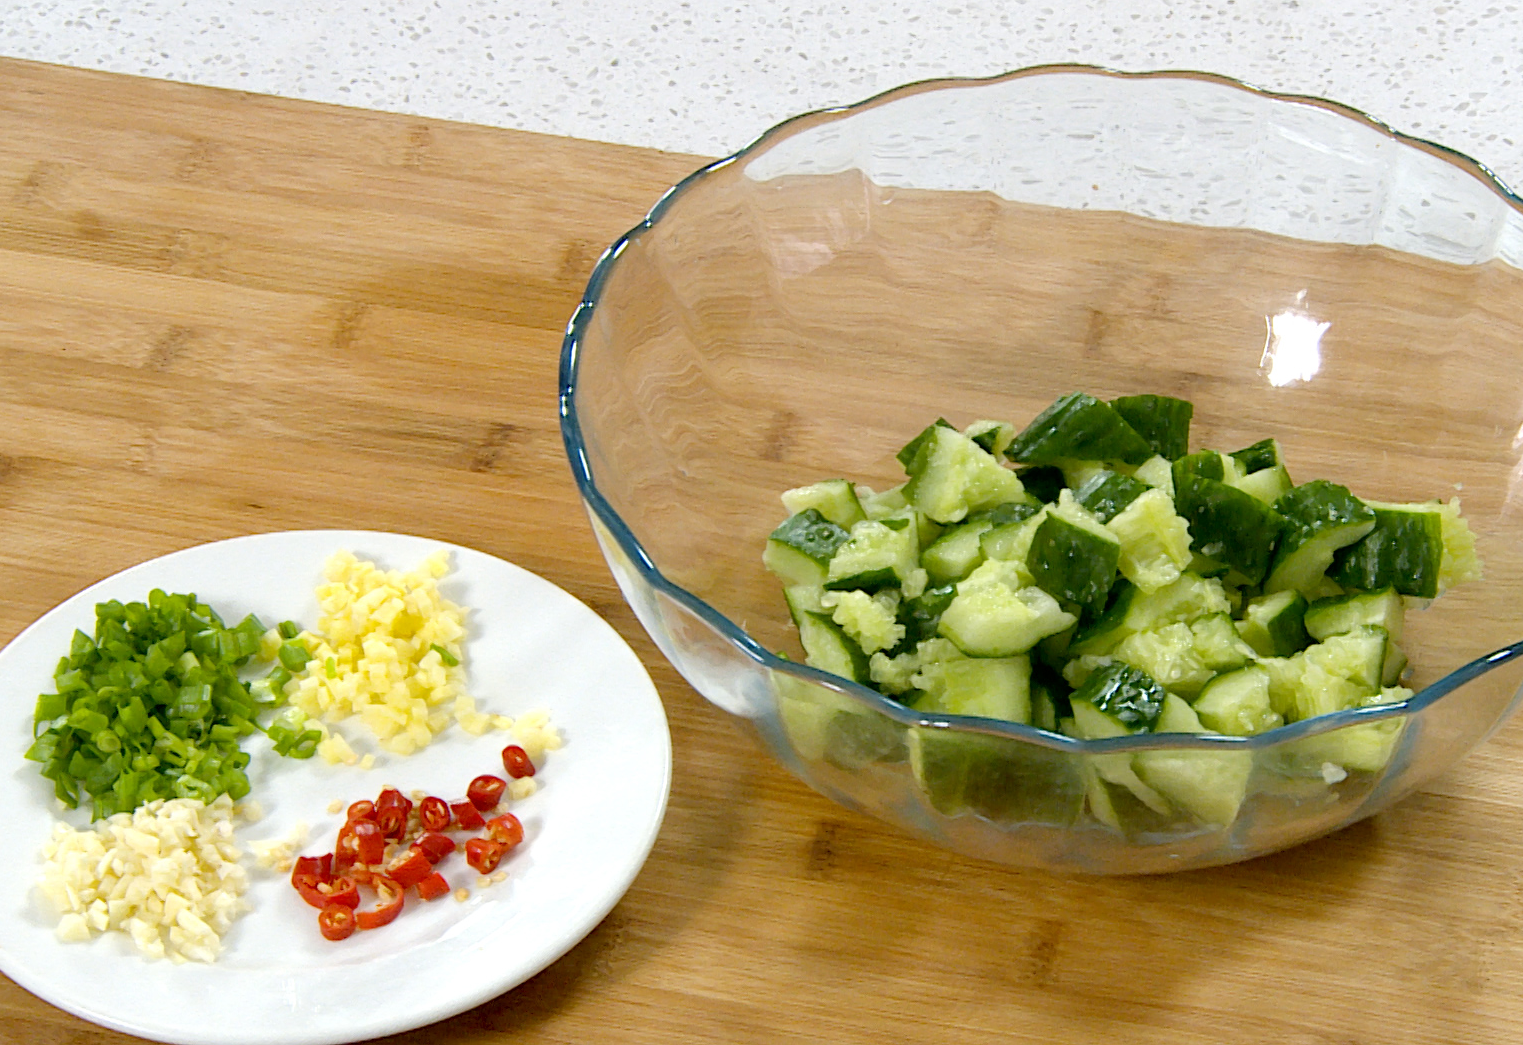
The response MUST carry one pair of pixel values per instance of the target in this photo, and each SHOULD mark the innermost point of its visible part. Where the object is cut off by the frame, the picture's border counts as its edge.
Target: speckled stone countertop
(706, 76)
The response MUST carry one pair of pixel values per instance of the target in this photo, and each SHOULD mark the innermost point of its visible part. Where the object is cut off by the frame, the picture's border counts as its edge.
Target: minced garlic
(168, 875)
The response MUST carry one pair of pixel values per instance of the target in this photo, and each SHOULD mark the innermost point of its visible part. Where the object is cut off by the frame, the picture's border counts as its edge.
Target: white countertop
(706, 76)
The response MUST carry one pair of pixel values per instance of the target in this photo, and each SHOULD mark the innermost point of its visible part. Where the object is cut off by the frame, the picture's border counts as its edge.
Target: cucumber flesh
(826, 644)
(1210, 785)
(994, 615)
(990, 687)
(950, 476)
(835, 499)
(1237, 704)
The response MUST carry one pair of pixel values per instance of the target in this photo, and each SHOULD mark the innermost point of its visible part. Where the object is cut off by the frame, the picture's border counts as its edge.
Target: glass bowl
(977, 248)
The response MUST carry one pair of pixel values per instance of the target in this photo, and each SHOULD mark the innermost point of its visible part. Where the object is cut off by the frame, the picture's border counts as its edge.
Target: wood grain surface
(224, 314)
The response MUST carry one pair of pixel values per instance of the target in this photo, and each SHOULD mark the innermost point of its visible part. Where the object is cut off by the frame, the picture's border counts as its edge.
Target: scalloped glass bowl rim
(571, 434)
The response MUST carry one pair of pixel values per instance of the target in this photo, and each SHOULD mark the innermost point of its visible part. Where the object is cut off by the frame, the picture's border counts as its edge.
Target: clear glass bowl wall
(974, 249)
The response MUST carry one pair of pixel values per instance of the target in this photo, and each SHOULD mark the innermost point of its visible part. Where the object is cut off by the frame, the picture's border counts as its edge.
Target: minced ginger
(387, 648)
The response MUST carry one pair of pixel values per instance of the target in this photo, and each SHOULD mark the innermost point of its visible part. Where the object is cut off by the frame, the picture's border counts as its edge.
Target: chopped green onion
(151, 706)
(450, 660)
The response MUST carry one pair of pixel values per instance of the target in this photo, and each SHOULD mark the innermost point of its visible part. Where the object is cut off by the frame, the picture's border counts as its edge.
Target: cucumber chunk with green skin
(908, 451)
(1162, 421)
(835, 499)
(1218, 643)
(1011, 541)
(1210, 785)
(1072, 556)
(1236, 703)
(1261, 455)
(1267, 484)
(922, 614)
(826, 644)
(1343, 613)
(991, 436)
(1092, 723)
(1366, 747)
(1168, 655)
(799, 551)
(1044, 482)
(1106, 493)
(1320, 518)
(1000, 779)
(1274, 625)
(824, 726)
(994, 615)
(1081, 427)
(877, 554)
(990, 687)
(950, 476)
(1207, 464)
(1403, 550)
(1226, 524)
(1130, 697)
(954, 554)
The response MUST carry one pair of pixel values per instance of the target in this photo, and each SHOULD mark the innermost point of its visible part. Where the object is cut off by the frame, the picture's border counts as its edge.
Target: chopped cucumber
(1162, 421)
(1227, 524)
(826, 645)
(1320, 518)
(1112, 583)
(1106, 493)
(799, 551)
(1274, 625)
(994, 614)
(951, 475)
(1403, 550)
(1210, 785)
(876, 555)
(1072, 555)
(1237, 704)
(1155, 541)
(992, 687)
(1079, 427)
(835, 499)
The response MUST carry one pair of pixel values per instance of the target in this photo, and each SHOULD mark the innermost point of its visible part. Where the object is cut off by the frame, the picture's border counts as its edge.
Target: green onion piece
(450, 660)
(288, 629)
(293, 655)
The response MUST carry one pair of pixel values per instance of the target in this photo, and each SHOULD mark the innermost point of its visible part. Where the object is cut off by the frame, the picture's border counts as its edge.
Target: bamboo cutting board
(223, 314)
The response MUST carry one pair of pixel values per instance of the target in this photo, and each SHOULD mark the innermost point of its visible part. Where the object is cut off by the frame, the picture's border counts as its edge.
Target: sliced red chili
(486, 791)
(433, 887)
(466, 814)
(392, 821)
(369, 842)
(336, 922)
(388, 902)
(484, 855)
(364, 809)
(506, 830)
(391, 798)
(434, 814)
(410, 869)
(320, 894)
(517, 762)
(435, 846)
(319, 867)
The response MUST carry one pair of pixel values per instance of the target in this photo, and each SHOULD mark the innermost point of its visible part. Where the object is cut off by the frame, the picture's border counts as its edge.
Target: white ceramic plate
(588, 829)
